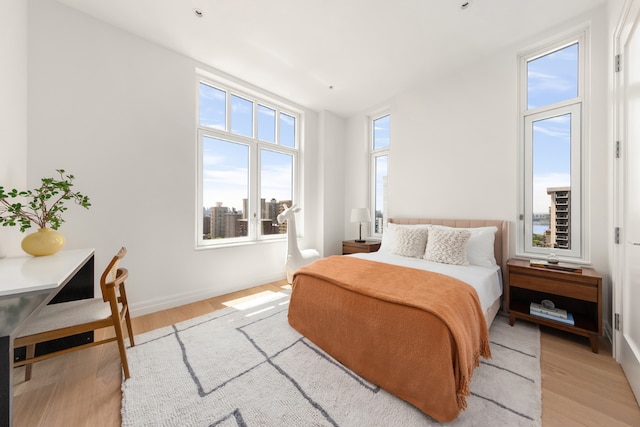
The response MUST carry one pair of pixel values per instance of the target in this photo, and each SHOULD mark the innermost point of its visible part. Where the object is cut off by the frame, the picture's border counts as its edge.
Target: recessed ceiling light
(198, 12)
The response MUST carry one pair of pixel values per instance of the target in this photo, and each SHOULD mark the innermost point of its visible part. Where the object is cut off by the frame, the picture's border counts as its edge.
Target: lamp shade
(360, 215)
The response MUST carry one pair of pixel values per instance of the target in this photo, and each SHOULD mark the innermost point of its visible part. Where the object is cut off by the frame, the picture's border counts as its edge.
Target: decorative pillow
(448, 245)
(480, 249)
(388, 243)
(411, 241)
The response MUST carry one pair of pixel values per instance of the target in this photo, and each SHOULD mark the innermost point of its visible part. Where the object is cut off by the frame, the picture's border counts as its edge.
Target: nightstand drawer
(552, 286)
(353, 247)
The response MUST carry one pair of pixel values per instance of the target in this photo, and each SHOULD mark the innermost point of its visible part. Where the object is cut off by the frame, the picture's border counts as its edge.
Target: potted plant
(42, 206)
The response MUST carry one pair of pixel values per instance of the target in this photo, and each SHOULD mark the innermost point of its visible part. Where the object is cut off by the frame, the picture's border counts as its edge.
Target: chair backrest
(113, 274)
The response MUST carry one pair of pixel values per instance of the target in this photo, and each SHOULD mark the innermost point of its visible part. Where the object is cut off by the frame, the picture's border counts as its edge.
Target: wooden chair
(75, 317)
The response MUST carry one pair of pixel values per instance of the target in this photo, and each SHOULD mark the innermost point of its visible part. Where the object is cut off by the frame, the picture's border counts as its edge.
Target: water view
(540, 228)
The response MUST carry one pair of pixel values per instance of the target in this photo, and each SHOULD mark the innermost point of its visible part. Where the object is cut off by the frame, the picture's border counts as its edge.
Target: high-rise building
(559, 235)
(218, 223)
(206, 224)
(270, 217)
(235, 225)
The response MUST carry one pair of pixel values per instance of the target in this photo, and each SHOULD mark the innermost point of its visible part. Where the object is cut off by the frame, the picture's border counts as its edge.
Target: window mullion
(254, 214)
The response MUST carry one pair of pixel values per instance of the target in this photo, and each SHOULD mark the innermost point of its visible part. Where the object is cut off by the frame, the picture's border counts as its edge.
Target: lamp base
(359, 241)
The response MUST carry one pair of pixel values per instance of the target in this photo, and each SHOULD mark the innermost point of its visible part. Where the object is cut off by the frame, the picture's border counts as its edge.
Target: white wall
(454, 143)
(119, 113)
(331, 179)
(13, 109)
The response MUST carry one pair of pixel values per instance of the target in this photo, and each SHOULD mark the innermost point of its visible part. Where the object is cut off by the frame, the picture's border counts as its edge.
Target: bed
(416, 333)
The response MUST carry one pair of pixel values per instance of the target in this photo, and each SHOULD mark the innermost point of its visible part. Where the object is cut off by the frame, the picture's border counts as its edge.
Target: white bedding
(487, 281)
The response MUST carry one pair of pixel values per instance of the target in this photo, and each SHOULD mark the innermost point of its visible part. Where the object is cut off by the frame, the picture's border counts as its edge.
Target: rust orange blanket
(417, 334)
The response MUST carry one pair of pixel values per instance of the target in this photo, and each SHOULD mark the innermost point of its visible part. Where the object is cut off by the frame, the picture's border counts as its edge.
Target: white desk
(27, 284)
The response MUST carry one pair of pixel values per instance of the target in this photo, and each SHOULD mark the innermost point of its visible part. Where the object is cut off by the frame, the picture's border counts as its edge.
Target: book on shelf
(555, 312)
(569, 320)
(561, 266)
(538, 263)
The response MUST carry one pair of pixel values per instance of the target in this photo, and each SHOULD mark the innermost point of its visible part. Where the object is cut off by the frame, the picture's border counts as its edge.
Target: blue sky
(226, 164)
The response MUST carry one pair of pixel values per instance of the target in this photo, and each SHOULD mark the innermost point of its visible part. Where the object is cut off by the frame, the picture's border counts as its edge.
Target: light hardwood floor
(579, 388)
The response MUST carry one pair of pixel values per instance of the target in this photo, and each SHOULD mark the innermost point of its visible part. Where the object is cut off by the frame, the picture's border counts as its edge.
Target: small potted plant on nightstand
(42, 206)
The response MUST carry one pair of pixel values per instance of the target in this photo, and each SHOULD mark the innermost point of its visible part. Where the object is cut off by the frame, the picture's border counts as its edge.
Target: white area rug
(246, 366)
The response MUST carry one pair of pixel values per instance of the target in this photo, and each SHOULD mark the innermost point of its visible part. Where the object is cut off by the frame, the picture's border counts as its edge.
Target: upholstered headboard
(501, 244)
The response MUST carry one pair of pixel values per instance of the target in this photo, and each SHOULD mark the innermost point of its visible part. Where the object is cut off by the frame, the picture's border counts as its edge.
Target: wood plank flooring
(579, 388)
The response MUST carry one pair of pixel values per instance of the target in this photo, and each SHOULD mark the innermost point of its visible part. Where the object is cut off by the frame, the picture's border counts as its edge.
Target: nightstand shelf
(580, 293)
(353, 247)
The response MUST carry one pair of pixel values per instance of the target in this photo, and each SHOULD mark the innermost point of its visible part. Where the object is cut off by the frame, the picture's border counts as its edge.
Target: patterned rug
(245, 366)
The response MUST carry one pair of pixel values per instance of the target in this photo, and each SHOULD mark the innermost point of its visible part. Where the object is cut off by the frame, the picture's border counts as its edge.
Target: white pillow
(410, 241)
(448, 245)
(480, 249)
(388, 243)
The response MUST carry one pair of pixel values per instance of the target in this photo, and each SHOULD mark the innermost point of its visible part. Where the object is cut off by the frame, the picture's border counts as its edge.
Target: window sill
(239, 244)
(568, 260)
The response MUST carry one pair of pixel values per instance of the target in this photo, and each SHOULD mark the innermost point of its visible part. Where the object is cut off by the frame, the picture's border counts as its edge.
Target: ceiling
(343, 56)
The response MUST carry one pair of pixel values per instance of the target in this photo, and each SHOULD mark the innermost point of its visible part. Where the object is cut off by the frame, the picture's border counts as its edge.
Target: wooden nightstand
(580, 293)
(353, 247)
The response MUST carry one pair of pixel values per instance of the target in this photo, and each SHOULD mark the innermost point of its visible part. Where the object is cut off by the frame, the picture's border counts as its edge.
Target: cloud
(277, 182)
(226, 186)
(541, 200)
(554, 127)
(212, 94)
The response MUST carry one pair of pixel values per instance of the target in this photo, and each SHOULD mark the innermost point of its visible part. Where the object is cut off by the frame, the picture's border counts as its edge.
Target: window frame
(255, 145)
(374, 154)
(578, 108)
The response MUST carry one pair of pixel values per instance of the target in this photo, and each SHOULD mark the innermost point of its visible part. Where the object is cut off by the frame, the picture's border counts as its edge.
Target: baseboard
(176, 300)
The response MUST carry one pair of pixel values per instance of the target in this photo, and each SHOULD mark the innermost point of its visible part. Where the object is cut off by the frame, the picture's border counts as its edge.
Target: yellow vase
(43, 242)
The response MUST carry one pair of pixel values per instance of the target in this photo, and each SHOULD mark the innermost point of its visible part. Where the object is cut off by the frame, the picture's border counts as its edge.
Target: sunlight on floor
(251, 301)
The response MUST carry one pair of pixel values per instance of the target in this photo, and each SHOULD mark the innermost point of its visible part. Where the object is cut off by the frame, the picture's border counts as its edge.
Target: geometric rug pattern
(245, 366)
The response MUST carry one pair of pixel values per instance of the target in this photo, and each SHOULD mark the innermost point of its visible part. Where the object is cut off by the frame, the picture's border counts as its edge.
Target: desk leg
(6, 380)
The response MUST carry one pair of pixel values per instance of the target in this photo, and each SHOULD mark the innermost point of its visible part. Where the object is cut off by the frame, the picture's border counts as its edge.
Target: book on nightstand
(569, 320)
(555, 312)
(556, 266)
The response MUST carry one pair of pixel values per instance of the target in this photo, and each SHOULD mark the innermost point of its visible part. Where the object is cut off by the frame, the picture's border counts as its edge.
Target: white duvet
(487, 281)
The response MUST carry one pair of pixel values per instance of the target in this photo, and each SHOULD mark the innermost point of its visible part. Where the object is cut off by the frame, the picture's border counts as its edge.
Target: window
(552, 161)
(380, 132)
(248, 157)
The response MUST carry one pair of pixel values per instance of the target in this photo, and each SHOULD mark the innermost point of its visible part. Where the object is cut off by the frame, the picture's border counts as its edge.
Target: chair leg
(129, 329)
(31, 352)
(122, 349)
(127, 317)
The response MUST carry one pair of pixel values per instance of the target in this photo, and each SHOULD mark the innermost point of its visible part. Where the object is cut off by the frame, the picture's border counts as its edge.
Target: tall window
(552, 108)
(380, 141)
(248, 158)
